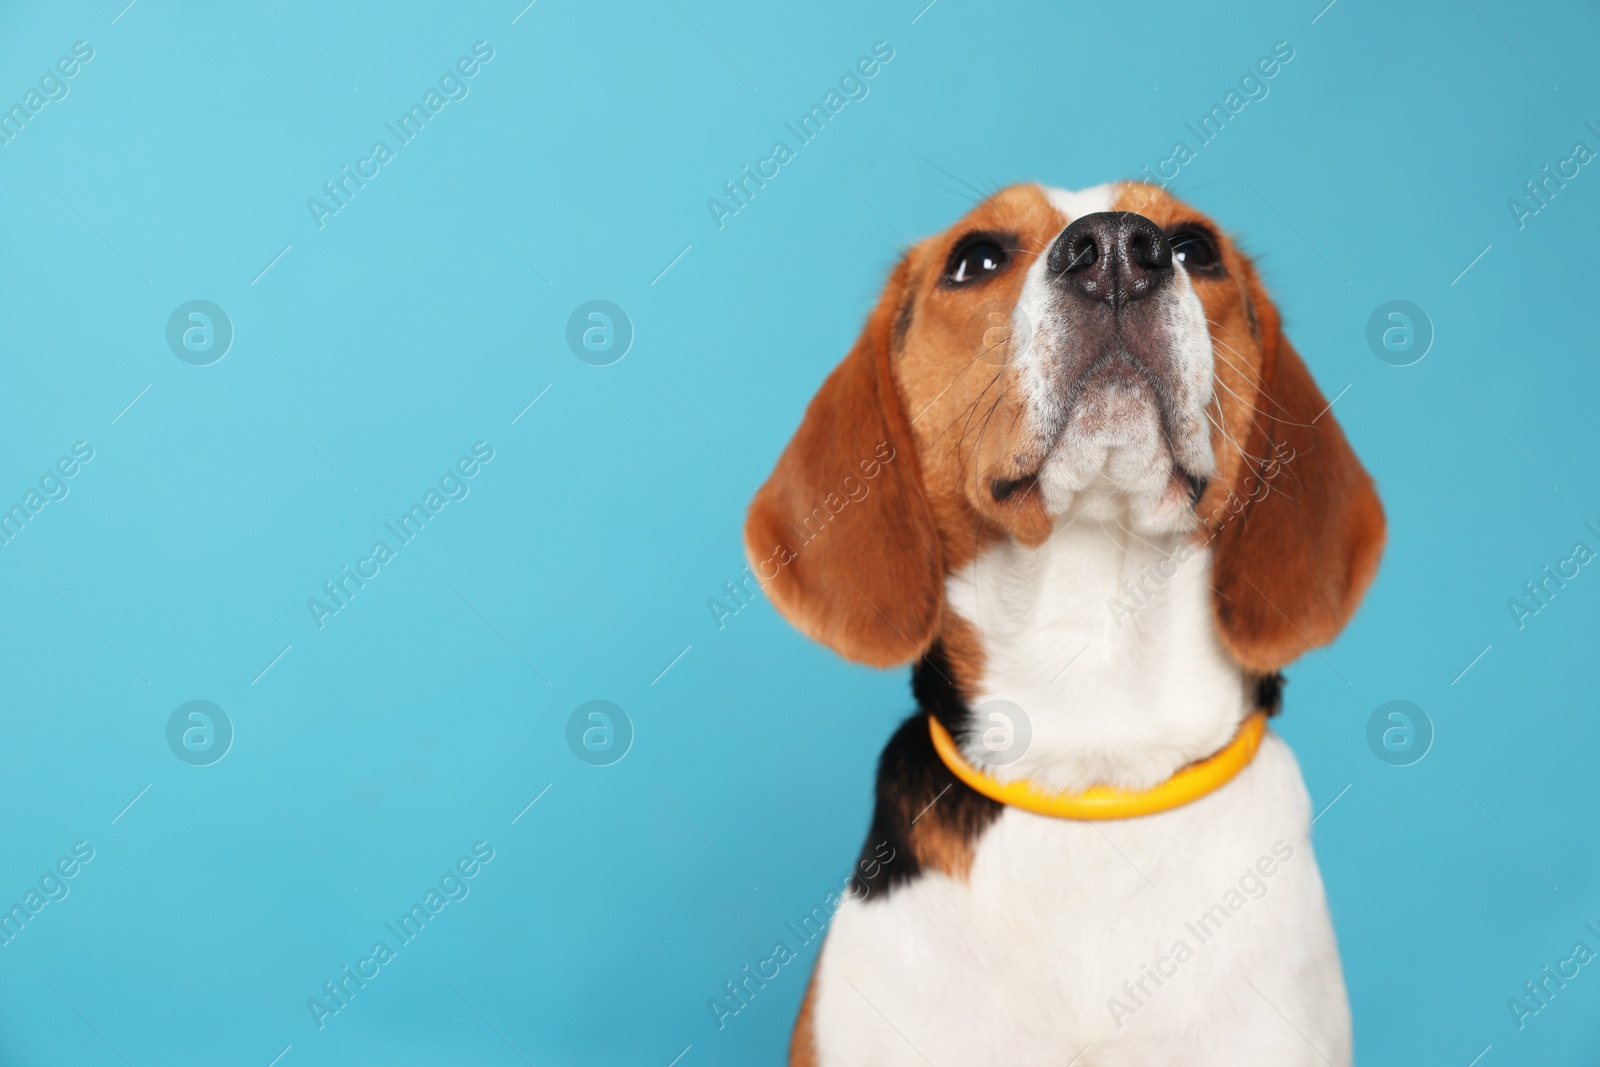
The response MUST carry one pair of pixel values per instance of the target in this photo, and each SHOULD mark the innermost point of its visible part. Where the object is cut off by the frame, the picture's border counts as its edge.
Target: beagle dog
(1101, 503)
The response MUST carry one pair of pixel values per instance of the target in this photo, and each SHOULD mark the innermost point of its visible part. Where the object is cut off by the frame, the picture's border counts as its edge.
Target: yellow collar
(1104, 802)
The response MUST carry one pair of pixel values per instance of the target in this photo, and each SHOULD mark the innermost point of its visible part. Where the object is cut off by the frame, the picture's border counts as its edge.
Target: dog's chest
(1125, 937)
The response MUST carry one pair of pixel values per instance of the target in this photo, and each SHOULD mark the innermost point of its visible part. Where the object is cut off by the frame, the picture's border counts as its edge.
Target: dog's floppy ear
(1290, 567)
(841, 535)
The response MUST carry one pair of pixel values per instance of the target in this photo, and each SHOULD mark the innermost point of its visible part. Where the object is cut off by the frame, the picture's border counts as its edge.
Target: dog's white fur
(1114, 440)
(1020, 963)
(1026, 960)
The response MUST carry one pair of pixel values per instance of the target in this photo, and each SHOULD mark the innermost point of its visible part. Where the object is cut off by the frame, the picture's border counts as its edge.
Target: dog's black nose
(1112, 257)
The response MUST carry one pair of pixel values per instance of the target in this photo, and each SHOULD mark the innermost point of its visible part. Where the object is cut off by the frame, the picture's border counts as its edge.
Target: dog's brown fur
(1293, 518)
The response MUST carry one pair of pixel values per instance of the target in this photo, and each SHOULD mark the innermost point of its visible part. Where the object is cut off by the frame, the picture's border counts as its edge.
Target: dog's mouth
(1112, 380)
(1115, 441)
(1006, 490)
(1116, 430)
(1003, 489)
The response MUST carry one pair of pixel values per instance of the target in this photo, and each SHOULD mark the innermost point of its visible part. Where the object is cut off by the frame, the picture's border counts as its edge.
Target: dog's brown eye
(973, 260)
(1195, 250)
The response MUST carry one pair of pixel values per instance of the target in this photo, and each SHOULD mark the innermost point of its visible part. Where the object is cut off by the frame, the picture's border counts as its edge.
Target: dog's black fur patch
(915, 787)
(1269, 693)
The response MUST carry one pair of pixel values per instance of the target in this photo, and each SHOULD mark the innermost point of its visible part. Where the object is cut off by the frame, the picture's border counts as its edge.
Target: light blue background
(417, 721)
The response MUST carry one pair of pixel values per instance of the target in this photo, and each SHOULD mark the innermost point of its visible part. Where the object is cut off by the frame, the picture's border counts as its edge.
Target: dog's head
(1108, 354)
